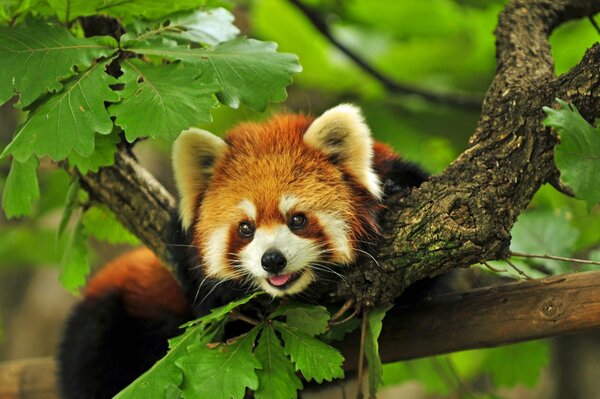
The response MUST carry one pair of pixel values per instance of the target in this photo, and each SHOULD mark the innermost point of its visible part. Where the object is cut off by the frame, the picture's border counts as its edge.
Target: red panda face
(278, 200)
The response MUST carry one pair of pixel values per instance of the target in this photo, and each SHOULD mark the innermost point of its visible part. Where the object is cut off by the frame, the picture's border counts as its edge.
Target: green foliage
(277, 378)
(75, 265)
(545, 232)
(101, 223)
(508, 366)
(313, 358)
(198, 365)
(222, 372)
(105, 148)
(310, 319)
(67, 121)
(219, 313)
(374, 326)
(170, 97)
(516, 364)
(21, 188)
(66, 80)
(208, 27)
(34, 59)
(578, 152)
(71, 202)
(248, 71)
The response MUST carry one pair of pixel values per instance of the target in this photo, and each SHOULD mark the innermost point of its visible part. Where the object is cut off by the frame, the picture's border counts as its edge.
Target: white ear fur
(195, 153)
(341, 132)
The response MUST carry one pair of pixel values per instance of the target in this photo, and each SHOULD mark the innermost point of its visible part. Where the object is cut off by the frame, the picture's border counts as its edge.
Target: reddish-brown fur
(148, 289)
(265, 161)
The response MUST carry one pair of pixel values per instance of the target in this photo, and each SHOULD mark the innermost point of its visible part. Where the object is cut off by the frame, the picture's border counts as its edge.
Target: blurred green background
(443, 46)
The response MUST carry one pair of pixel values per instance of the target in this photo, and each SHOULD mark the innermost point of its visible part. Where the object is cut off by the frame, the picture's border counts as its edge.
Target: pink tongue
(280, 280)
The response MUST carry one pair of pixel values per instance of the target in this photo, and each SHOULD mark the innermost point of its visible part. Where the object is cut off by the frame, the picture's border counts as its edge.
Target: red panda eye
(297, 221)
(246, 229)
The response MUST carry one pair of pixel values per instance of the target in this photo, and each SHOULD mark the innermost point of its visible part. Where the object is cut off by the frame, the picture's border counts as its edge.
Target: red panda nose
(273, 261)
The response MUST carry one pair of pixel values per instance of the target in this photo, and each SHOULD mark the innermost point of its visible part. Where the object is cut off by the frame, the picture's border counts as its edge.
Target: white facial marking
(214, 255)
(287, 203)
(337, 230)
(248, 207)
(299, 253)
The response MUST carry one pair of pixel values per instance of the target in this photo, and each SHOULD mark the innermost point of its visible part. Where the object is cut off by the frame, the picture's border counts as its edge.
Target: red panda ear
(195, 153)
(341, 133)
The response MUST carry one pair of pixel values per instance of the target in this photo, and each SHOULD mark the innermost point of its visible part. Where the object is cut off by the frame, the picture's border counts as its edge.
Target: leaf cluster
(164, 68)
(269, 359)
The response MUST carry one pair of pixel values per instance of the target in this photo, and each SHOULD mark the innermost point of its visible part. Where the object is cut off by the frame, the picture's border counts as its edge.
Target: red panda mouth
(283, 280)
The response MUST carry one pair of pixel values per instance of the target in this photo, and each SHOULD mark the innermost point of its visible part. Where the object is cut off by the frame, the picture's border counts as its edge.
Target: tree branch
(139, 201)
(452, 99)
(464, 215)
(487, 317)
(482, 318)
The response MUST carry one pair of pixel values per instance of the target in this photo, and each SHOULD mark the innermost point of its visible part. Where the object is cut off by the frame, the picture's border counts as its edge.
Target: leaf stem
(342, 310)
(521, 272)
(552, 257)
(236, 315)
(348, 318)
(486, 264)
(361, 355)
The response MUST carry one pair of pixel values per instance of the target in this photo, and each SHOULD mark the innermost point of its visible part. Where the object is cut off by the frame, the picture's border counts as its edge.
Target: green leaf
(21, 188)
(165, 377)
(209, 27)
(161, 101)
(220, 312)
(34, 58)
(594, 256)
(374, 325)
(517, 364)
(578, 152)
(68, 121)
(545, 232)
(339, 331)
(314, 358)
(249, 71)
(75, 265)
(277, 379)
(310, 319)
(150, 9)
(15, 246)
(70, 204)
(100, 222)
(426, 371)
(68, 10)
(104, 154)
(222, 372)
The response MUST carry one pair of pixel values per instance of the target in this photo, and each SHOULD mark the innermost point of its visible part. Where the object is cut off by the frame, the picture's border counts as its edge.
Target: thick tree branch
(453, 99)
(488, 317)
(464, 215)
(138, 200)
(480, 318)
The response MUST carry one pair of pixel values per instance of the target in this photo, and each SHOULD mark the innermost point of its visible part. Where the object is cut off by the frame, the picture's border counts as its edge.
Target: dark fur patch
(104, 348)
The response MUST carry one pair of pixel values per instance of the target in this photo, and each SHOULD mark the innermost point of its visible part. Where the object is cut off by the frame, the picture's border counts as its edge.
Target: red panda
(274, 207)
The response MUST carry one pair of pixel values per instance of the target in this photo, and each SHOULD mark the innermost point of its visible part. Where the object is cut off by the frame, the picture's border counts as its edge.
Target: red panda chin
(287, 284)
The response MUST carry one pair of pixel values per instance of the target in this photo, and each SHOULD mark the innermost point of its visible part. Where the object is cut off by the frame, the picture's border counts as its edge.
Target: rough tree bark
(460, 217)
(464, 215)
